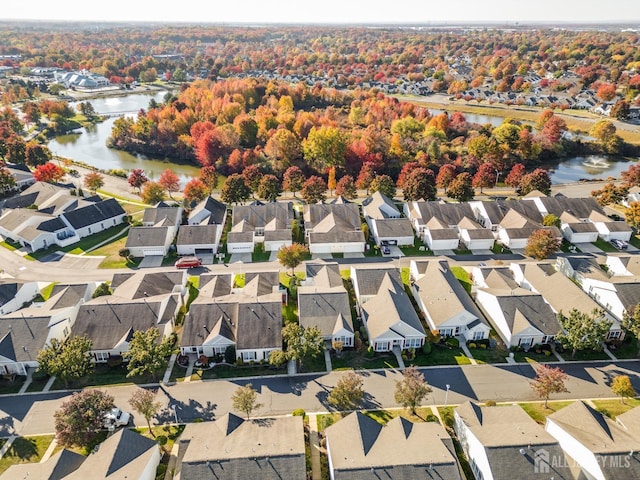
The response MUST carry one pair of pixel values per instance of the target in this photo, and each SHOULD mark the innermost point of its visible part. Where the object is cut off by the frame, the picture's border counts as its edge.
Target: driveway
(240, 257)
(151, 261)
(588, 248)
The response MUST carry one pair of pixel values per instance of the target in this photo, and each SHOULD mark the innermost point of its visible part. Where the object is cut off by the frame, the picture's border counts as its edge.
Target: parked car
(115, 418)
(188, 262)
(386, 250)
(619, 244)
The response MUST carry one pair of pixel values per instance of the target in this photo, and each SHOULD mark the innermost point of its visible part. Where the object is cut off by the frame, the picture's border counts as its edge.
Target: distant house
(560, 293)
(388, 314)
(474, 236)
(25, 332)
(248, 318)
(324, 303)
(515, 229)
(333, 228)
(231, 447)
(614, 290)
(359, 447)
(208, 212)
(22, 176)
(45, 215)
(505, 443)
(445, 216)
(603, 448)
(632, 196)
(266, 223)
(576, 230)
(195, 239)
(440, 236)
(159, 229)
(521, 317)
(447, 307)
(609, 229)
(385, 221)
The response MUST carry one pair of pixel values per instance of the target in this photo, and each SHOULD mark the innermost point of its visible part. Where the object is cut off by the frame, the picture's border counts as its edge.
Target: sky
(327, 11)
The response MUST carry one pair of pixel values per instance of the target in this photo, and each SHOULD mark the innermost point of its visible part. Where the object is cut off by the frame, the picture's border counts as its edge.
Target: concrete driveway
(588, 248)
(240, 257)
(151, 261)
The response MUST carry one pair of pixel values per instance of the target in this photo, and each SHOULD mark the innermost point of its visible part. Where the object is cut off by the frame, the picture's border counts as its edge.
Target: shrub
(161, 470)
(426, 348)
(483, 346)
(490, 403)
(432, 418)
(230, 354)
(604, 412)
(472, 345)
(452, 342)
(370, 352)
(239, 362)
(405, 357)
(298, 412)
(363, 334)
(252, 362)
(162, 439)
(547, 353)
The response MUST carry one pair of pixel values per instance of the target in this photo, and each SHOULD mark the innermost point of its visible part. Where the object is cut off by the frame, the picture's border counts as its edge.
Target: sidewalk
(167, 373)
(314, 442)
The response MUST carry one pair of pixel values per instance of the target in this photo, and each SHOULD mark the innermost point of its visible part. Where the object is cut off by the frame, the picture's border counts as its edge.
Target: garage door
(153, 251)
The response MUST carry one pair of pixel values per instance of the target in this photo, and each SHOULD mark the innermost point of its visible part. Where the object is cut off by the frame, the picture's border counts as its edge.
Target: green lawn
(533, 357)
(489, 355)
(350, 359)
(25, 450)
(166, 436)
(463, 277)
(418, 249)
(539, 413)
(584, 355)
(231, 371)
(613, 408)
(423, 414)
(440, 356)
(104, 375)
(604, 246)
(628, 349)
(14, 386)
(82, 246)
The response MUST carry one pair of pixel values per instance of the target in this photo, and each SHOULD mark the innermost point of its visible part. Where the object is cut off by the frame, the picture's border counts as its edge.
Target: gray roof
(94, 213)
(57, 467)
(521, 307)
(217, 211)
(8, 290)
(371, 206)
(36, 194)
(361, 448)
(147, 237)
(394, 227)
(324, 274)
(144, 285)
(215, 285)
(109, 320)
(368, 280)
(23, 336)
(578, 207)
(63, 296)
(628, 293)
(197, 234)
(329, 310)
(272, 216)
(233, 448)
(125, 454)
(449, 213)
(163, 216)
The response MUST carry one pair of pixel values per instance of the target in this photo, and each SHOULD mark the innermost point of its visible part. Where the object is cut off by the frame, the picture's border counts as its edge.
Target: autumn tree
(293, 180)
(632, 175)
(169, 181)
(93, 181)
(346, 187)
(290, 256)
(583, 330)
(148, 354)
(143, 402)
(485, 177)
(7, 181)
(632, 215)
(515, 176)
(245, 400)
(325, 147)
(461, 188)
(412, 389)
(314, 189)
(252, 176)
(366, 176)
(446, 174)
(152, 193)
(620, 110)
(283, 148)
(420, 184)
(550, 220)
(234, 189)
(137, 178)
(36, 154)
(209, 177)
(49, 172)
(610, 193)
(537, 180)
(541, 244)
(348, 392)
(622, 387)
(549, 380)
(302, 342)
(80, 419)
(195, 191)
(67, 360)
(606, 91)
(383, 184)
(331, 182)
(269, 188)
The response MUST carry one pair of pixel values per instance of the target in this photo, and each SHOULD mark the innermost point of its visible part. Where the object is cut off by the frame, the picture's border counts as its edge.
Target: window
(101, 356)
(346, 341)
(478, 335)
(65, 332)
(614, 334)
(413, 343)
(114, 221)
(248, 356)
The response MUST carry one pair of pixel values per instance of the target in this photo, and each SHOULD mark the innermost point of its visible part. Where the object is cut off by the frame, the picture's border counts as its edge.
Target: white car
(116, 418)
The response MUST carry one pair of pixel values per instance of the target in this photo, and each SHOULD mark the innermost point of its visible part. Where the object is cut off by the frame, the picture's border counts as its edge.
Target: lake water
(89, 146)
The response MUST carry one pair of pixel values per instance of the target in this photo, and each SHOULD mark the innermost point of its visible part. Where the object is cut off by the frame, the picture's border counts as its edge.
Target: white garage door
(152, 251)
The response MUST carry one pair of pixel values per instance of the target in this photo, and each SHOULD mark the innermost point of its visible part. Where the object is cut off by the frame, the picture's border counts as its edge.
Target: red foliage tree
(515, 175)
(195, 190)
(485, 177)
(137, 178)
(366, 176)
(446, 174)
(293, 180)
(209, 177)
(169, 181)
(49, 172)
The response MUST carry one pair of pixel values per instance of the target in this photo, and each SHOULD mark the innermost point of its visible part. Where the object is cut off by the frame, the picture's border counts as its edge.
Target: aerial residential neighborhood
(293, 247)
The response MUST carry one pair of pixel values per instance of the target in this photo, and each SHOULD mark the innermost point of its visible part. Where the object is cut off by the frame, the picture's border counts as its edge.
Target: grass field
(25, 450)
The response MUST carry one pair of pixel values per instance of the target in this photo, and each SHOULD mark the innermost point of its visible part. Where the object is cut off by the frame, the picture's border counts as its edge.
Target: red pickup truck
(188, 262)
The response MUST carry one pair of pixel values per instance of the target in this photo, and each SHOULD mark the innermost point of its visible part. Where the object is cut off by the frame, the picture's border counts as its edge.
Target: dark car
(619, 244)
(386, 250)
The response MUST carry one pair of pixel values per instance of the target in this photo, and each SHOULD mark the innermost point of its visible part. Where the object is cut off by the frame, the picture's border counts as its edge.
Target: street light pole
(175, 413)
(446, 395)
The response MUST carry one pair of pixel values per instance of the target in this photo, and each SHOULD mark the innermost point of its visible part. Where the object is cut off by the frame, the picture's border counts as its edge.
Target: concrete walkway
(7, 445)
(609, 353)
(398, 353)
(167, 373)
(557, 355)
(173, 460)
(192, 362)
(467, 352)
(52, 446)
(327, 360)
(27, 382)
(314, 441)
(49, 384)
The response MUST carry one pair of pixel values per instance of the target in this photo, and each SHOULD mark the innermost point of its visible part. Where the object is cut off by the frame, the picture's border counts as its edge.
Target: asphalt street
(32, 414)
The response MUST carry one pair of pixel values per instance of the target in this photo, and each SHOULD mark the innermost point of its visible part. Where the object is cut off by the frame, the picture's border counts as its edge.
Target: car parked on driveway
(115, 418)
(619, 244)
(188, 262)
(386, 250)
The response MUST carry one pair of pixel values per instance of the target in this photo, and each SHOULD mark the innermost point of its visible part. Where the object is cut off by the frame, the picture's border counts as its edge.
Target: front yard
(350, 359)
(25, 450)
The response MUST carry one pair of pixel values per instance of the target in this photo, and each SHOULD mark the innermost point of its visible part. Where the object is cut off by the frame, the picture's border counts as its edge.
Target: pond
(591, 167)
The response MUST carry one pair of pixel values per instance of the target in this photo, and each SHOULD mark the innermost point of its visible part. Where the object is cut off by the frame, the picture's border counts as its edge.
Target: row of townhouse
(576, 442)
